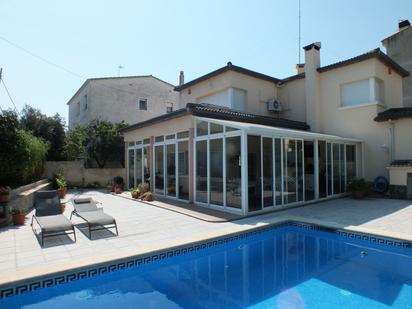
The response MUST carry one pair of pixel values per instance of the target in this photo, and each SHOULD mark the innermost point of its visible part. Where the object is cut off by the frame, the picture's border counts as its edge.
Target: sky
(85, 39)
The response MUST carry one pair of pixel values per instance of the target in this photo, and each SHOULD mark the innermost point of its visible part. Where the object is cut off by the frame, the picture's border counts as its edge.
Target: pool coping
(22, 281)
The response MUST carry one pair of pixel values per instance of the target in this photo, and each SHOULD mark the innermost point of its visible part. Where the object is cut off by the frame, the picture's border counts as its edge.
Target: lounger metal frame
(98, 227)
(51, 234)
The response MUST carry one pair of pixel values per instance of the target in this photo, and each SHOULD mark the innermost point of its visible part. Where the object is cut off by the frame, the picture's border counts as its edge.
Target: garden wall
(22, 197)
(77, 175)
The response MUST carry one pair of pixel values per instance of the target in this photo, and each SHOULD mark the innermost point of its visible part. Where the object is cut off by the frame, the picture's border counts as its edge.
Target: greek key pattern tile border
(44, 282)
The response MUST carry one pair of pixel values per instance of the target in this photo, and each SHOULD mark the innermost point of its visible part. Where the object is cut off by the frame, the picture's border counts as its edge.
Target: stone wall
(77, 175)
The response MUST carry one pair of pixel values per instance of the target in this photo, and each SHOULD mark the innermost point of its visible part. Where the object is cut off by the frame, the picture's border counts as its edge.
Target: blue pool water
(288, 267)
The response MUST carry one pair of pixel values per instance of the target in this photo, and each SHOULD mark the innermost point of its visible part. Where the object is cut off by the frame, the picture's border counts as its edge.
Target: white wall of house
(357, 120)
(229, 89)
(292, 95)
(117, 99)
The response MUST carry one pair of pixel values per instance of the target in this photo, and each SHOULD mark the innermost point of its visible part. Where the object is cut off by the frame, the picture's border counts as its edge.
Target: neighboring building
(247, 142)
(131, 99)
(399, 48)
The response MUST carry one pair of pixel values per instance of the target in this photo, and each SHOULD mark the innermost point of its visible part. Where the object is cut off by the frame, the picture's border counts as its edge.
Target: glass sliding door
(183, 170)
(131, 168)
(336, 169)
(350, 163)
(216, 171)
(322, 169)
(267, 171)
(171, 170)
(278, 171)
(139, 163)
(159, 169)
(254, 173)
(289, 171)
(146, 168)
(309, 168)
(201, 172)
(342, 168)
(233, 173)
(299, 162)
(329, 168)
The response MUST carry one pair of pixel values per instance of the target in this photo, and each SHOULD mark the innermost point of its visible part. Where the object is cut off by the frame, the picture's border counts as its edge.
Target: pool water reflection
(288, 267)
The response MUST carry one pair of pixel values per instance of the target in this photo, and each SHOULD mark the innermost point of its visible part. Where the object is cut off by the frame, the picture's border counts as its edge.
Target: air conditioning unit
(274, 105)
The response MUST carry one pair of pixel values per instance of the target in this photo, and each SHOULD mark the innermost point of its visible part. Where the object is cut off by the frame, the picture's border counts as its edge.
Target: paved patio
(144, 228)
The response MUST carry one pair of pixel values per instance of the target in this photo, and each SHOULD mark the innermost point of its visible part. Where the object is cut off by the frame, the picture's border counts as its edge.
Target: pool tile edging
(43, 281)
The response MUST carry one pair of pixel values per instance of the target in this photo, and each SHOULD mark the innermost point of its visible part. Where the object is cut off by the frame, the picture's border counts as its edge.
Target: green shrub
(359, 185)
(36, 150)
(21, 154)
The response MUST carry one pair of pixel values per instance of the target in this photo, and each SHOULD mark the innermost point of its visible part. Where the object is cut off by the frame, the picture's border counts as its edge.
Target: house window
(85, 102)
(169, 107)
(362, 92)
(143, 104)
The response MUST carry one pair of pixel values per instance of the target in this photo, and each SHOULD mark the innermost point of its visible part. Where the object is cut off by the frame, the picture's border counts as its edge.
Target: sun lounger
(48, 215)
(96, 219)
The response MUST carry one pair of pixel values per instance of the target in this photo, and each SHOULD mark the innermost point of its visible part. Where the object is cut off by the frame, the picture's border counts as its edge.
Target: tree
(104, 143)
(99, 142)
(75, 143)
(21, 154)
(50, 129)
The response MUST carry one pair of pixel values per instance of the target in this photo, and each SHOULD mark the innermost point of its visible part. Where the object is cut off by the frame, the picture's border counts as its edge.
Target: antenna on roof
(299, 39)
(118, 69)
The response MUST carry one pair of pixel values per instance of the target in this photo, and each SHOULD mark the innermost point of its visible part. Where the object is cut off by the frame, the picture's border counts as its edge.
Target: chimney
(312, 85)
(403, 24)
(181, 78)
(300, 68)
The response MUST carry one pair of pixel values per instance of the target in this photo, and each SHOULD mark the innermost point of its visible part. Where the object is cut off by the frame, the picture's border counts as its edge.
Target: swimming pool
(290, 266)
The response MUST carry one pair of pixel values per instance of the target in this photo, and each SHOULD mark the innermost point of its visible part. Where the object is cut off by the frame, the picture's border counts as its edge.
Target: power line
(8, 94)
(41, 58)
(61, 67)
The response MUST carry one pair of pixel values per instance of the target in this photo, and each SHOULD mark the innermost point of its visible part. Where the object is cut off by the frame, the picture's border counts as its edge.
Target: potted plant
(148, 196)
(5, 194)
(135, 193)
(19, 215)
(143, 187)
(359, 188)
(61, 185)
(118, 184)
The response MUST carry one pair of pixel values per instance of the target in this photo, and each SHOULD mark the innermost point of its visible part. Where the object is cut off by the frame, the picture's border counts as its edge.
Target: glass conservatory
(245, 168)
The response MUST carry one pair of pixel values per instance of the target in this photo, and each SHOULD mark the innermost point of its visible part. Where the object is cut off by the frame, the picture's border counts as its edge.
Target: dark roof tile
(375, 53)
(228, 67)
(222, 113)
(394, 114)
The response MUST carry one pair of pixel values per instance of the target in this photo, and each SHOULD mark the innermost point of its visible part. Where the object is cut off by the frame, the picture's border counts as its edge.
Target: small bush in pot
(359, 188)
(143, 187)
(135, 192)
(118, 184)
(147, 196)
(61, 185)
(19, 215)
(5, 194)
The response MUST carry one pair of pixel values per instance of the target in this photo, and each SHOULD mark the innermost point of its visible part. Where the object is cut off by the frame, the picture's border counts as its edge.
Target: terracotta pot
(62, 192)
(117, 189)
(135, 195)
(148, 198)
(18, 219)
(359, 194)
(4, 198)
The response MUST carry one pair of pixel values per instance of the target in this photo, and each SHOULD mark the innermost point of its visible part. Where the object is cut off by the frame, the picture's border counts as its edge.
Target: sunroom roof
(259, 129)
